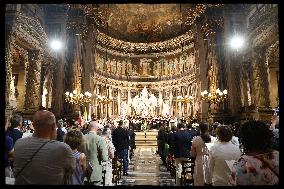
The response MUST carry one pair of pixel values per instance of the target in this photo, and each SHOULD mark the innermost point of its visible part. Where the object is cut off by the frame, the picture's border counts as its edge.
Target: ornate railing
(139, 78)
(161, 83)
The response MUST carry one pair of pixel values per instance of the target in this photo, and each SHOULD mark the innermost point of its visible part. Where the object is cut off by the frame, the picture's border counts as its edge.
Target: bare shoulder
(82, 156)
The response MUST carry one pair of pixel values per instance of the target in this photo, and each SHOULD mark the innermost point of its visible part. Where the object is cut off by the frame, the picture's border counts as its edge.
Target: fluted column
(118, 102)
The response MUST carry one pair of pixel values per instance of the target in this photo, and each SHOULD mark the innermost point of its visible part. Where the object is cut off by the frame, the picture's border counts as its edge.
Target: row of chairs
(116, 170)
(171, 165)
(187, 170)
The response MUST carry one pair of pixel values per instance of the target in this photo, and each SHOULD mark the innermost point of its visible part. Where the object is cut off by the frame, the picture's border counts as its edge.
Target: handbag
(9, 178)
(89, 171)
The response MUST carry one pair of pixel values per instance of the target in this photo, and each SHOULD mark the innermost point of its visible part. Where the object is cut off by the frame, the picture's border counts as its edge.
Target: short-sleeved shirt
(49, 165)
(15, 134)
(249, 170)
(8, 147)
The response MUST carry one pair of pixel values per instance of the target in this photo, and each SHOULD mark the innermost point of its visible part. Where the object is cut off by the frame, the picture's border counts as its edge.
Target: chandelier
(185, 99)
(78, 98)
(143, 105)
(215, 97)
(104, 99)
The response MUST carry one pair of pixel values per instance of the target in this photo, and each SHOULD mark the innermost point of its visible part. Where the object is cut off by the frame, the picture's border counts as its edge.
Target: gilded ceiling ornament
(130, 47)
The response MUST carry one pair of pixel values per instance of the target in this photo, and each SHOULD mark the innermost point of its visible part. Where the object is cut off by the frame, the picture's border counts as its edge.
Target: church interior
(190, 62)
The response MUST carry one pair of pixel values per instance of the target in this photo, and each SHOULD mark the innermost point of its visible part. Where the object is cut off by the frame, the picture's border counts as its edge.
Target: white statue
(12, 98)
(166, 108)
(43, 97)
(144, 106)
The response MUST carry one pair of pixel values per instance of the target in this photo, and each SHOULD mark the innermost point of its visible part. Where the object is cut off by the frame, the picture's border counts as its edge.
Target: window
(54, 29)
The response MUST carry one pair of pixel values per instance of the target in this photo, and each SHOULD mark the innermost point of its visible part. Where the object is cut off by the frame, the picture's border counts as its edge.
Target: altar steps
(148, 138)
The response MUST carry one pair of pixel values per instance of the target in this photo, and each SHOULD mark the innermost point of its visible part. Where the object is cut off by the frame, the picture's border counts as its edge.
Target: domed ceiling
(143, 23)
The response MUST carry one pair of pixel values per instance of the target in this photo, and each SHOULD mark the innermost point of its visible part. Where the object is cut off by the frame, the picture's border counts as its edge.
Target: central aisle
(145, 169)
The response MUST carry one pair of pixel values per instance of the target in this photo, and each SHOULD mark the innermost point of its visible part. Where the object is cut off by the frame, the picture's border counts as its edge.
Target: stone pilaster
(118, 101)
(128, 102)
(110, 109)
(171, 102)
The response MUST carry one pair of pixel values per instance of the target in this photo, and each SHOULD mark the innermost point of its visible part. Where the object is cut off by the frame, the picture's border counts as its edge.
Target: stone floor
(145, 169)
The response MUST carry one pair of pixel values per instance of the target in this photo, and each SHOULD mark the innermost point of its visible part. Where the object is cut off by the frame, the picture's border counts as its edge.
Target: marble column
(33, 81)
(118, 102)
(171, 103)
(96, 100)
(110, 109)
(179, 109)
(160, 102)
(128, 102)
(9, 71)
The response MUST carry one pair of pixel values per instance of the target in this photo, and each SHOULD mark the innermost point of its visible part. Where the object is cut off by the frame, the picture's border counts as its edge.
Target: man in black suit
(15, 130)
(132, 141)
(120, 139)
(182, 145)
(191, 130)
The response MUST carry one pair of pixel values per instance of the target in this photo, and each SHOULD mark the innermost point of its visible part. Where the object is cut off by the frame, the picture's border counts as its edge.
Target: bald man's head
(45, 123)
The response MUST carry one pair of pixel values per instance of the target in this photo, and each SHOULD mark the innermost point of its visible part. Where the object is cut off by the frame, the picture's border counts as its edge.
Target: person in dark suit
(162, 138)
(15, 130)
(171, 139)
(182, 145)
(191, 130)
(120, 139)
(132, 141)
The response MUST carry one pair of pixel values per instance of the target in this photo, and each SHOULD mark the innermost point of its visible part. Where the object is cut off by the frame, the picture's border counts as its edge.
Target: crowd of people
(50, 151)
(55, 152)
(224, 155)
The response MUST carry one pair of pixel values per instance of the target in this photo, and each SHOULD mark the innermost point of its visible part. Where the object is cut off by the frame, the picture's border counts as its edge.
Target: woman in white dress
(199, 150)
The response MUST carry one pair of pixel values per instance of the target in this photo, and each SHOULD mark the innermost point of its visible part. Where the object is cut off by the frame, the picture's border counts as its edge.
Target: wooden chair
(187, 172)
(115, 173)
(116, 170)
(171, 166)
